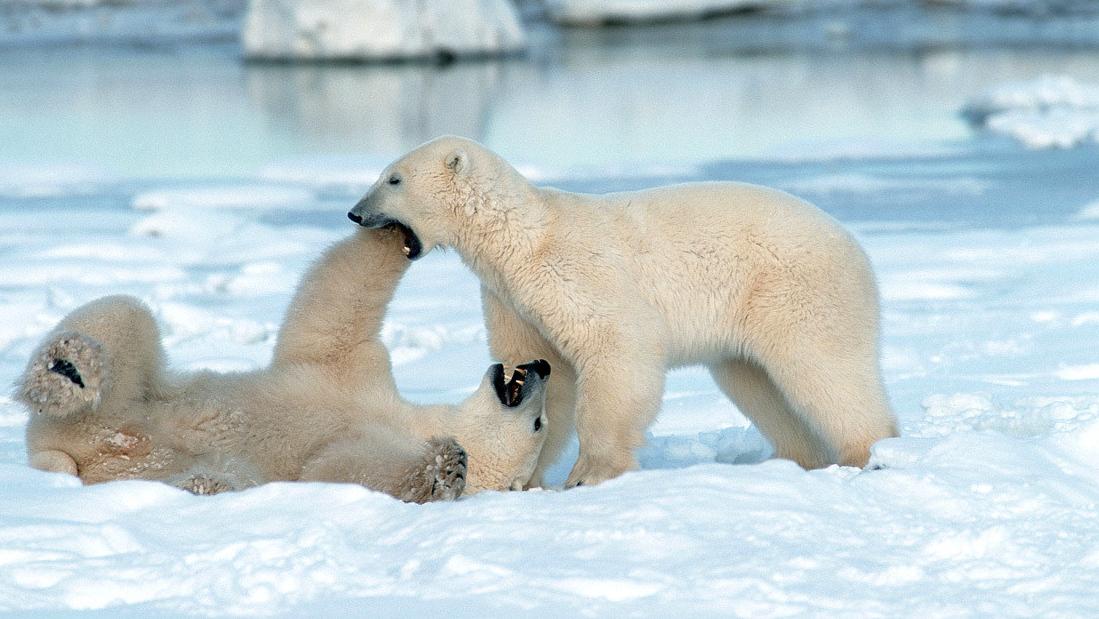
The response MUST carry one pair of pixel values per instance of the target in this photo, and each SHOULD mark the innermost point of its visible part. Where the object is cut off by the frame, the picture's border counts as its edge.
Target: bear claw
(202, 485)
(443, 478)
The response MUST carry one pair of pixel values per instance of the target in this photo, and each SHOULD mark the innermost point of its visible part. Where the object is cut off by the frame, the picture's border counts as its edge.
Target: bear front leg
(395, 463)
(439, 476)
(513, 341)
(618, 396)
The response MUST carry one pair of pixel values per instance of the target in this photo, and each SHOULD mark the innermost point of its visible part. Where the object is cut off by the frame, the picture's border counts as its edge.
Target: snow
(379, 29)
(1052, 111)
(988, 356)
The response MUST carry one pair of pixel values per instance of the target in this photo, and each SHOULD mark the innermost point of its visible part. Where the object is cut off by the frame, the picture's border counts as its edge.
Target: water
(611, 99)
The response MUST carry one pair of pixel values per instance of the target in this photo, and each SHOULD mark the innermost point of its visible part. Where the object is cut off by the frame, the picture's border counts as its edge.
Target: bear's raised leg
(66, 376)
(106, 349)
(336, 314)
(513, 341)
(398, 465)
(756, 395)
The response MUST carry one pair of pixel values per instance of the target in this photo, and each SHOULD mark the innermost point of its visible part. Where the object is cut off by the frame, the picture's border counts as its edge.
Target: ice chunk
(1048, 112)
(379, 29)
(596, 12)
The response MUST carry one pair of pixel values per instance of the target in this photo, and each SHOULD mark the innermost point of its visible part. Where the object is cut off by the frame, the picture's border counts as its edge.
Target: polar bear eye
(394, 179)
(537, 424)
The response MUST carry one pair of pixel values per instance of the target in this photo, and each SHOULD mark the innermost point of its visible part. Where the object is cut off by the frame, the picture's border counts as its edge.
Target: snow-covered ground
(989, 269)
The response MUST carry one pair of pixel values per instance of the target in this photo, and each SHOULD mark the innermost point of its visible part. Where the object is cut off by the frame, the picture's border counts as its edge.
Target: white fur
(326, 409)
(765, 289)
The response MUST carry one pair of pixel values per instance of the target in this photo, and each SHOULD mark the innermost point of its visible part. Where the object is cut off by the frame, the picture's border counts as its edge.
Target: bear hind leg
(757, 396)
(842, 398)
(66, 376)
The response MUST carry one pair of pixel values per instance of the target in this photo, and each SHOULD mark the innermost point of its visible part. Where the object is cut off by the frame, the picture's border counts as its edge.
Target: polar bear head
(502, 426)
(443, 190)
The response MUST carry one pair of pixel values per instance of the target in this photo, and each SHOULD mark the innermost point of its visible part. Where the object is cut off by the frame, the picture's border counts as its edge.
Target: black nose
(355, 218)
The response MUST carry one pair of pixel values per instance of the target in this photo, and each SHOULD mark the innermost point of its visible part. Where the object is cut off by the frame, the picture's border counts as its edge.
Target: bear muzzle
(363, 215)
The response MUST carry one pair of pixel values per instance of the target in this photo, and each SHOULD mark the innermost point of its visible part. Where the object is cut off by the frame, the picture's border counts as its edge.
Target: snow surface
(1052, 111)
(985, 507)
(379, 29)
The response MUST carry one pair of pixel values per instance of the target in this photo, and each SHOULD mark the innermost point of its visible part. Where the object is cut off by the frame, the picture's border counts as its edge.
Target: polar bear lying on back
(104, 407)
(765, 289)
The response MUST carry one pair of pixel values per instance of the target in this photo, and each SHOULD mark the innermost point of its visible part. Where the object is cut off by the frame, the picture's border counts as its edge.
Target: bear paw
(65, 377)
(203, 485)
(590, 471)
(441, 476)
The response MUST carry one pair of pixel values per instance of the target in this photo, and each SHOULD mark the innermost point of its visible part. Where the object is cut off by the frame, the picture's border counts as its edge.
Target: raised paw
(441, 476)
(204, 485)
(524, 380)
(65, 377)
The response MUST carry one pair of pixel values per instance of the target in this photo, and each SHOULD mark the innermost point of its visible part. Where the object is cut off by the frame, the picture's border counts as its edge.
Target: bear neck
(514, 239)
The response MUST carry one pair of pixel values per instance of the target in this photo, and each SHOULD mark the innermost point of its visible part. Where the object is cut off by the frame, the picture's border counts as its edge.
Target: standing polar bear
(765, 289)
(104, 407)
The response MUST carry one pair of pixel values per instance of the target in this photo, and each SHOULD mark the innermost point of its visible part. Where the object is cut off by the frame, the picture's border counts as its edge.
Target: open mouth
(412, 246)
(511, 392)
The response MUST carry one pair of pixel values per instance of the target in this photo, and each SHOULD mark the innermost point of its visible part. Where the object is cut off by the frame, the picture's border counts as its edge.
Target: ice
(1090, 211)
(1052, 111)
(24, 181)
(380, 29)
(595, 12)
(1089, 371)
(250, 196)
(145, 21)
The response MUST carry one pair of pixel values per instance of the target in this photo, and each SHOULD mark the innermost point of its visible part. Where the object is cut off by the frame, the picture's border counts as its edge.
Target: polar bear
(104, 406)
(765, 289)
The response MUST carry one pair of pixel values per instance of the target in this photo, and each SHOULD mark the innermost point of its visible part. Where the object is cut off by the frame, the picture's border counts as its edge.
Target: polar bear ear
(457, 161)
